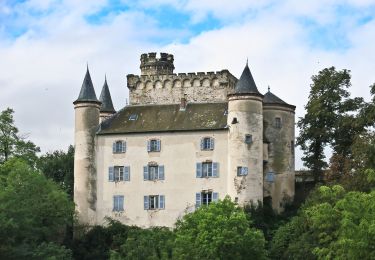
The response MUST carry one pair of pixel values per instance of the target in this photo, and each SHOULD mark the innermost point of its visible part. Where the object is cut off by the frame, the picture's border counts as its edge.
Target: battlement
(169, 88)
(151, 65)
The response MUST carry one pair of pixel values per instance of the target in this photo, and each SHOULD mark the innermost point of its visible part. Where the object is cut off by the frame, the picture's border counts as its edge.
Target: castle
(185, 140)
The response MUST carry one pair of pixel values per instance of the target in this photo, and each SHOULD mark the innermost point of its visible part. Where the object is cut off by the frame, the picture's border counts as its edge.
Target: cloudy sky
(45, 45)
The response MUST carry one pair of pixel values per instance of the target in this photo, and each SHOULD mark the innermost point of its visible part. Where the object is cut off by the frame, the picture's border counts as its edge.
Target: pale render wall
(179, 154)
(281, 159)
(86, 121)
(248, 112)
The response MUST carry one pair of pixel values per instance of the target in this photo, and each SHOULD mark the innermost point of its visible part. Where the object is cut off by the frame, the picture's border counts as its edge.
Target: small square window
(207, 143)
(153, 145)
(118, 203)
(133, 117)
(242, 171)
(248, 139)
(270, 177)
(119, 147)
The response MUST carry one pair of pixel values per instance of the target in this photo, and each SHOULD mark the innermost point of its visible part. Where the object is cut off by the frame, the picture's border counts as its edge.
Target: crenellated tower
(245, 141)
(86, 108)
(151, 65)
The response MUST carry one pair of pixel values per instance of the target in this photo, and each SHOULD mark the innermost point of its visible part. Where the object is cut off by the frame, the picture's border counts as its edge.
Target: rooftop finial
(247, 61)
(269, 89)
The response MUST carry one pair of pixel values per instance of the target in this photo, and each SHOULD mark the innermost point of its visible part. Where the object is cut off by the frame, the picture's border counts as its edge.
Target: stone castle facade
(184, 141)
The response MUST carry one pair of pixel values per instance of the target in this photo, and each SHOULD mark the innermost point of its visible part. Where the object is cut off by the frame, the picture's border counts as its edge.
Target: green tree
(33, 210)
(329, 119)
(59, 166)
(12, 144)
(218, 231)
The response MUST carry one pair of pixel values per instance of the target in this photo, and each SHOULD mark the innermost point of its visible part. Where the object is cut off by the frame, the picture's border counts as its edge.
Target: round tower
(245, 121)
(150, 65)
(279, 177)
(86, 109)
(106, 108)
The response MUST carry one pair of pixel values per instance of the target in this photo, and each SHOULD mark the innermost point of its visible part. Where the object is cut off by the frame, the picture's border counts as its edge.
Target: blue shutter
(161, 202)
(244, 171)
(148, 146)
(199, 170)
(145, 173)
(215, 196)
(145, 202)
(123, 148)
(126, 173)
(215, 169)
(202, 144)
(198, 198)
(121, 203)
(158, 145)
(110, 174)
(161, 172)
(114, 147)
(212, 143)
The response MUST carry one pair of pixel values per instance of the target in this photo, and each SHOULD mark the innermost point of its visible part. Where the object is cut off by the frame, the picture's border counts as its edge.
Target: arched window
(119, 147)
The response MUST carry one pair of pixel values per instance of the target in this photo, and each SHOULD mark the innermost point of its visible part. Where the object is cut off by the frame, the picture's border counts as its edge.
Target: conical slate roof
(87, 90)
(246, 83)
(105, 98)
(270, 98)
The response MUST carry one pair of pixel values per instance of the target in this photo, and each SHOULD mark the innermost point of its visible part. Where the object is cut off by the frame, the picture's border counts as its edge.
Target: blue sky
(45, 45)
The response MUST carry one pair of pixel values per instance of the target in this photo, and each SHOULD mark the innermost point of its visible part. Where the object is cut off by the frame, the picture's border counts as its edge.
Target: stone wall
(169, 89)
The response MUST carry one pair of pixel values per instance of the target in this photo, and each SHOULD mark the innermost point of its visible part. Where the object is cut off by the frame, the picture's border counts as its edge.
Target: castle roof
(271, 99)
(167, 118)
(87, 93)
(105, 98)
(246, 83)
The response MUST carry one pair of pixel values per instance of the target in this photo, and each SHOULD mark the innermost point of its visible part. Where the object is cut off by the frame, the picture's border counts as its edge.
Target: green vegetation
(337, 221)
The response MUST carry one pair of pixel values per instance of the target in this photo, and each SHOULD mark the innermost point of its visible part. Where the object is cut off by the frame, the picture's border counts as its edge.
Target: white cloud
(42, 71)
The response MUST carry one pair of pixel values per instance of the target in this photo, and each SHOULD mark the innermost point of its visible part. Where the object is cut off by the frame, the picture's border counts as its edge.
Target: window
(119, 173)
(242, 171)
(118, 203)
(207, 143)
(207, 169)
(153, 172)
(153, 145)
(270, 177)
(234, 120)
(119, 147)
(154, 202)
(277, 122)
(248, 139)
(133, 117)
(292, 147)
(205, 198)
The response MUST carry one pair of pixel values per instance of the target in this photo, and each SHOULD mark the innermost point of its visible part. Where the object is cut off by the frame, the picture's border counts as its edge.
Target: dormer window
(207, 143)
(133, 117)
(119, 146)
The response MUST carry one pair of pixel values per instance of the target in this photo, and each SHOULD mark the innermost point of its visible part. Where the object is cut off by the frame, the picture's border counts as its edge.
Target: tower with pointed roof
(279, 121)
(106, 108)
(86, 109)
(245, 140)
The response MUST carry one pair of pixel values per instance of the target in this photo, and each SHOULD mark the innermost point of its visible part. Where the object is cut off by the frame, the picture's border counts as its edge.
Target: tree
(33, 210)
(59, 166)
(218, 231)
(328, 118)
(12, 144)
(333, 224)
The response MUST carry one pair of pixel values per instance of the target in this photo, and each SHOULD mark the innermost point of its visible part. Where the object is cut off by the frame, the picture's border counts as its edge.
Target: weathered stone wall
(280, 154)
(247, 112)
(169, 89)
(85, 196)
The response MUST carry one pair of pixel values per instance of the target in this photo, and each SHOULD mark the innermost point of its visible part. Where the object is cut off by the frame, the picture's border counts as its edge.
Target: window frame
(119, 146)
(118, 203)
(158, 172)
(278, 123)
(207, 169)
(207, 143)
(154, 145)
(242, 171)
(153, 202)
(205, 198)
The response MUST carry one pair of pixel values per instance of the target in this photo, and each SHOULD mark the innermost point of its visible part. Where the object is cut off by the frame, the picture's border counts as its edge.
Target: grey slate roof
(246, 83)
(167, 118)
(271, 99)
(87, 90)
(105, 98)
